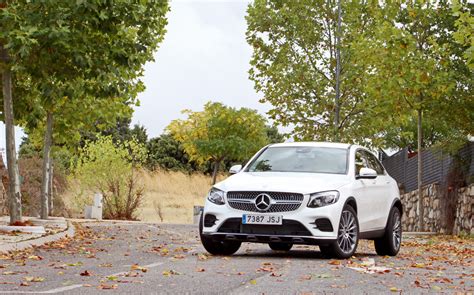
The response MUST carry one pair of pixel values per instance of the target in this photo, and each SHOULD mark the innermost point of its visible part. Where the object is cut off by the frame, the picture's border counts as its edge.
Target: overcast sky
(204, 56)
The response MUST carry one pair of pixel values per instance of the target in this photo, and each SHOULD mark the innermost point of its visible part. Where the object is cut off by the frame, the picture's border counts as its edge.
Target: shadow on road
(297, 253)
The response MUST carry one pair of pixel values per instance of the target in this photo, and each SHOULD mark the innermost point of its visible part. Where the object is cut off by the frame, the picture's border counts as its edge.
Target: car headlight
(216, 196)
(322, 199)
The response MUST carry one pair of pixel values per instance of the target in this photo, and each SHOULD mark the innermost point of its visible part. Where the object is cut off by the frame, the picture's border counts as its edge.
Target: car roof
(313, 144)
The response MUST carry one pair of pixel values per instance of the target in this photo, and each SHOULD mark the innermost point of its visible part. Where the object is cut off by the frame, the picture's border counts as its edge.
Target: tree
(294, 65)
(167, 153)
(274, 136)
(14, 193)
(220, 132)
(64, 45)
(416, 71)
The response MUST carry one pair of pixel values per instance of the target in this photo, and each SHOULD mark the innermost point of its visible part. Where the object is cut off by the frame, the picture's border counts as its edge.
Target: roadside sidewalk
(56, 228)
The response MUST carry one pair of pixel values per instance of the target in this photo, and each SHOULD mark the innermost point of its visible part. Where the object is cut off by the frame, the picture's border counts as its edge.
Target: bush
(110, 169)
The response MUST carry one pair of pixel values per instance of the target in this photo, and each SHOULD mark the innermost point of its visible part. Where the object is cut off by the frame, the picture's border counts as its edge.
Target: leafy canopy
(414, 63)
(220, 132)
(294, 65)
(84, 59)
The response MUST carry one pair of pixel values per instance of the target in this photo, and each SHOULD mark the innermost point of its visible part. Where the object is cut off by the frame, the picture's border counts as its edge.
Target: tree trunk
(338, 73)
(50, 188)
(14, 193)
(46, 166)
(420, 173)
(214, 172)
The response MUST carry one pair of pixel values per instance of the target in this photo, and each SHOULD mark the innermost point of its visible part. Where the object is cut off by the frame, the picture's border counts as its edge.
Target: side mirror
(367, 173)
(235, 169)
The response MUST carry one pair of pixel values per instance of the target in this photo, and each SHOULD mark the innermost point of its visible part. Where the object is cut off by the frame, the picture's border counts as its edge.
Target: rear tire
(347, 236)
(390, 243)
(217, 247)
(280, 246)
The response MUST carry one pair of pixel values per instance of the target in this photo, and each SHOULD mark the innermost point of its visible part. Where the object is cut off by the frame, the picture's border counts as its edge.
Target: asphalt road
(133, 258)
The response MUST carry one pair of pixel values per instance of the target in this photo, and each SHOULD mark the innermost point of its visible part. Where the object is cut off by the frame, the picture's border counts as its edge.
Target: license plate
(262, 219)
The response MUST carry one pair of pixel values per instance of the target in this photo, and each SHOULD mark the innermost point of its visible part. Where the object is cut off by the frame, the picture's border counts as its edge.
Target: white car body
(372, 199)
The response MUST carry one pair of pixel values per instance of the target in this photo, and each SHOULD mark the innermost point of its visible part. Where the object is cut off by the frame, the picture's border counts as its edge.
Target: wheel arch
(351, 202)
(398, 204)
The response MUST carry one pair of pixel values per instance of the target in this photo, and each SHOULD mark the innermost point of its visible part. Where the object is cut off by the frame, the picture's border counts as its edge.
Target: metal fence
(436, 166)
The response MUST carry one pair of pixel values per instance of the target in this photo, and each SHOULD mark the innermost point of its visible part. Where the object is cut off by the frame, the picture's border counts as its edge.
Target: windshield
(301, 159)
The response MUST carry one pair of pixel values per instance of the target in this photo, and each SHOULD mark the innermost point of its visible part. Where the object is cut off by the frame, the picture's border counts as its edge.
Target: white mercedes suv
(315, 193)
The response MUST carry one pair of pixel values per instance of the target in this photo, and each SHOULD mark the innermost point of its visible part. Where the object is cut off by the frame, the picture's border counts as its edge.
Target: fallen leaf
(253, 282)
(34, 279)
(334, 262)
(112, 278)
(436, 288)
(105, 265)
(393, 289)
(85, 273)
(170, 272)
(24, 284)
(140, 268)
(200, 270)
(35, 257)
(107, 287)
(275, 274)
(418, 265)
(203, 256)
(132, 274)
(179, 256)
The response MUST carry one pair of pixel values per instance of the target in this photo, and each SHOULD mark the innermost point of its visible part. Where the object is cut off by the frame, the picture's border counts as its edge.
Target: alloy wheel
(348, 231)
(397, 230)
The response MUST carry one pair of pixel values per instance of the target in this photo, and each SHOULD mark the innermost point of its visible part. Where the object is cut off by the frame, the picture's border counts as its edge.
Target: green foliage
(220, 132)
(465, 30)
(415, 64)
(110, 169)
(294, 65)
(167, 153)
(274, 136)
(83, 59)
(397, 58)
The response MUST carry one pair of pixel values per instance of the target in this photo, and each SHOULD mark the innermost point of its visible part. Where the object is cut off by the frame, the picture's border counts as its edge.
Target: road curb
(69, 232)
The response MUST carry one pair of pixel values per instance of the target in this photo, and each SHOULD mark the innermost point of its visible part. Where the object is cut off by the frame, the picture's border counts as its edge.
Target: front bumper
(307, 232)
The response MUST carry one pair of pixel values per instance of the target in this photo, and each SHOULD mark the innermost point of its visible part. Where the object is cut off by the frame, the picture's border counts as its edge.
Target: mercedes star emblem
(263, 202)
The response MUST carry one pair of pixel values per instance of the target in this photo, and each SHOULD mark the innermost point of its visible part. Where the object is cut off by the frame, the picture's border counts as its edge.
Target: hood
(304, 183)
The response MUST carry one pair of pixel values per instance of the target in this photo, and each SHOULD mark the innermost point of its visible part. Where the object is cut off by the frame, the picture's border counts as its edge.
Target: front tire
(390, 243)
(217, 247)
(280, 246)
(347, 236)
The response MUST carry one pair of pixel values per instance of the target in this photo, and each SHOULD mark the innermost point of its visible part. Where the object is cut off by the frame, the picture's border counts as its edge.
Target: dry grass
(170, 196)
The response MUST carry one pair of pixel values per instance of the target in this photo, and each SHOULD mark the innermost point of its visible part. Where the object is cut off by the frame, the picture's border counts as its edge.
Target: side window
(360, 161)
(374, 163)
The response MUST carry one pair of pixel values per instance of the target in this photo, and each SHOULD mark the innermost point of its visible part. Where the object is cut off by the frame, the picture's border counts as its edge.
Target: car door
(363, 192)
(381, 187)
(369, 193)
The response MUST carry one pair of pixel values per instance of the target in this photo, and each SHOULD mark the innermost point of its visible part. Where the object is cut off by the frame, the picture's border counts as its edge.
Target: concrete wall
(435, 206)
